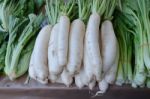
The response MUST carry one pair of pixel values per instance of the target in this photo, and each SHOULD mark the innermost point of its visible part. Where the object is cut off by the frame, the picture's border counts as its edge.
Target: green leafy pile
(18, 29)
(133, 20)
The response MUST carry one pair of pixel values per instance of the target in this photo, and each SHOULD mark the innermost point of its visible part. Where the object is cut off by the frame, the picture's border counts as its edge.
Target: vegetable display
(86, 42)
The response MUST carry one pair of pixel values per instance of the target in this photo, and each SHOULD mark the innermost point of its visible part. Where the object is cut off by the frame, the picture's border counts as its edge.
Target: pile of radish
(84, 42)
(79, 43)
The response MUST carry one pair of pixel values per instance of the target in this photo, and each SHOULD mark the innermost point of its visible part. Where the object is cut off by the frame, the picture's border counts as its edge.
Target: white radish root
(38, 68)
(111, 57)
(92, 68)
(54, 69)
(76, 41)
(110, 52)
(92, 45)
(63, 38)
(109, 45)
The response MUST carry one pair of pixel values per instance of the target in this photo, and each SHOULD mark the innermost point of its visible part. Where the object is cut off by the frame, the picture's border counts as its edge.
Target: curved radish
(38, 68)
(109, 41)
(63, 38)
(54, 69)
(77, 33)
(110, 58)
(92, 43)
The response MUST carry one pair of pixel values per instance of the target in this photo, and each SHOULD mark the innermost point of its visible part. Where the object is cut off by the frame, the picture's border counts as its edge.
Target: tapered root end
(42, 81)
(103, 86)
(78, 82)
(92, 85)
(53, 78)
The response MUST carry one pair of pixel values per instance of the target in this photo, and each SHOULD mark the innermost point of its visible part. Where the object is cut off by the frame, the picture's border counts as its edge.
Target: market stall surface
(20, 89)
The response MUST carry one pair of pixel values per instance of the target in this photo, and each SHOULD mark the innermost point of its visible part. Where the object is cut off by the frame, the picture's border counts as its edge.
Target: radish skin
(87, 65)
(63, 38)
(92, 43)
(38, 68)
(77, 33)
(54, 69)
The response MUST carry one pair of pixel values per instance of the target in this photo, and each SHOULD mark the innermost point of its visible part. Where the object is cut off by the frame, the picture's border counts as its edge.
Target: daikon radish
(52, 10)
(63, 38)
(92, 38)
(92, 43)
(91, 72)
(86, 73)
(76, 49)
(110, 58)
(75, 52)
(85, 77)
(110, 48)
(53, 54)
(77, 33)
(38, 68)
(109, 45)
(64, 30)
(63, 42)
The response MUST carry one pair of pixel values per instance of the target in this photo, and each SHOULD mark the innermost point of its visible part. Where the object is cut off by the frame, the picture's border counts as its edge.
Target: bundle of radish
(52, 8)
(58, 45)
(67, 14)
(92, 58)
(77, 32)
(108, 41)
(76, 41)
